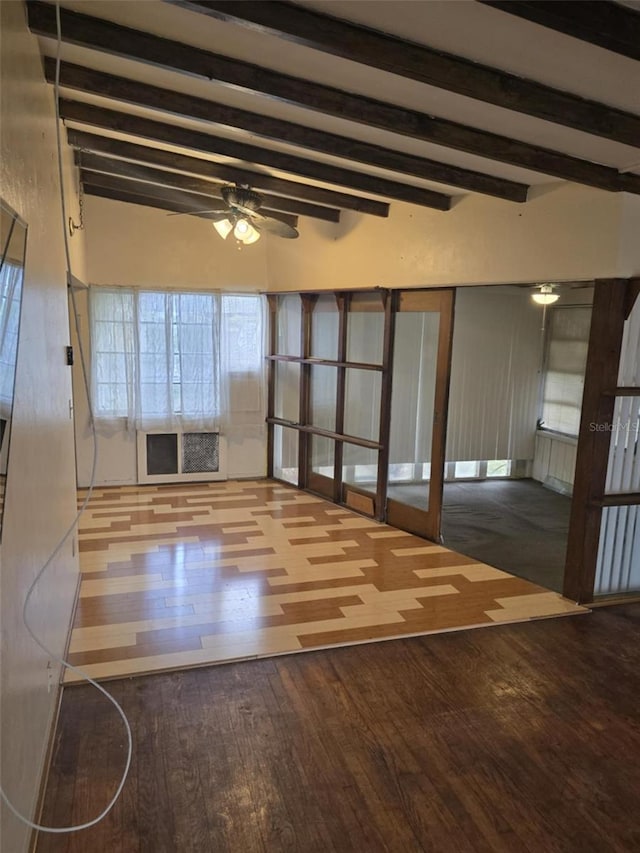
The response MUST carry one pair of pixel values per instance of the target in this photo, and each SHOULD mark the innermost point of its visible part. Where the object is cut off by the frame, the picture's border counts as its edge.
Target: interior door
(419, 395)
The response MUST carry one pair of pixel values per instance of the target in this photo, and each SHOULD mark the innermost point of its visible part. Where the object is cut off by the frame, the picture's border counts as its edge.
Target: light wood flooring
(181, 576)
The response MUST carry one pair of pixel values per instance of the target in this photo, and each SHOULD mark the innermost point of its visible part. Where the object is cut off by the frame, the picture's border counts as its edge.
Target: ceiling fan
(242, 218)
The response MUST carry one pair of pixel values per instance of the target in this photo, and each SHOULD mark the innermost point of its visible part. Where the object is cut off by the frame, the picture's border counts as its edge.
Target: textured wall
(564, 233)
(41, 480)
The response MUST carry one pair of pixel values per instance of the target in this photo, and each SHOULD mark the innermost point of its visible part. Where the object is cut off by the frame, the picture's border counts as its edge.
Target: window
(163, 359)
(10, 296)
(563, 382)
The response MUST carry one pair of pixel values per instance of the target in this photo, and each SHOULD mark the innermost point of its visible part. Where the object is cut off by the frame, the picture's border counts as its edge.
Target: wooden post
(440, 414)
(342, 301)
(272, 302)
(610, 303)
(308, 300)
(390, 301)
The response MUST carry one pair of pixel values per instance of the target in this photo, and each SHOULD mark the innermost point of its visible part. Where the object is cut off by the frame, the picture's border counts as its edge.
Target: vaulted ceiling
(330, 106)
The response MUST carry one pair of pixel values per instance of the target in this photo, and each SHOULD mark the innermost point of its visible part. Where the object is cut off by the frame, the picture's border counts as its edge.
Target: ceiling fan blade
(247, 211)
(219, 214)
(276, 226)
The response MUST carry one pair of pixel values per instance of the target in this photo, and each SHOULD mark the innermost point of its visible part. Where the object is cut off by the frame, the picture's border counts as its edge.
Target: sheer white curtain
(242, 362)
(114, 361)
(167, 360)
(178, 360)
(155, 358)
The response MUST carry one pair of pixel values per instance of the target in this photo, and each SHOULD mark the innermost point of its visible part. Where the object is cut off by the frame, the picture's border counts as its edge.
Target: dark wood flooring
(520, 738)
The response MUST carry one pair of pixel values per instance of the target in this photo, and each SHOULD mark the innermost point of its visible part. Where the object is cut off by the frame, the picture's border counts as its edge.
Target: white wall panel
(618, 566)
(618, 569)
(41, 496)
(495, 374)
(554, 462)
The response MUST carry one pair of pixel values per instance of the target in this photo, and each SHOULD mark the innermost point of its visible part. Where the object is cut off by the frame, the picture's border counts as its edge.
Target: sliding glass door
(358, 399)
(419, 382)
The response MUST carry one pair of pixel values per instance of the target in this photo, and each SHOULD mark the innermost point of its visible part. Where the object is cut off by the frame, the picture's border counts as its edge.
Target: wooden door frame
(428, 523)
(439, 300)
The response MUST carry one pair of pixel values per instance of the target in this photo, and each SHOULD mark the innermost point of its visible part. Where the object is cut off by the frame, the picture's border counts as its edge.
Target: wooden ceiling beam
(81, 79)
(124, 169)
(97, 34)
(221, 171)
(417, 62)
(600, 22)
(177, 200)
(119, 122)
(144, 201)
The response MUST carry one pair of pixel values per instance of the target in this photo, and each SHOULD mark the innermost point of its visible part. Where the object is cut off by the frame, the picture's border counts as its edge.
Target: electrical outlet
(49, 677)
(73, 546)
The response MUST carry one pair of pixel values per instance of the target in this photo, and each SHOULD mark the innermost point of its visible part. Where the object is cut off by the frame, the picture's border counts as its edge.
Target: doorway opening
(514, 414)
(463, 433)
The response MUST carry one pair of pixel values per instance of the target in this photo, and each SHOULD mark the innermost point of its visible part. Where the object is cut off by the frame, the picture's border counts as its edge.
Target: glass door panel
(324, 328)
(365, 329)
(322, 459)
(289, 325)
(322, 396)
(285, 454)
(422, 341)
(287, 391)
(362, 403)
(359, 477)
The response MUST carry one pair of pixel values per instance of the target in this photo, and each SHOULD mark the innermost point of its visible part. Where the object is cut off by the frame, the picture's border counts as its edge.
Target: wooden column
(610, 305)
(390, 301)
(440, 413)
(342, 301)
(272, 303)
(308, 300)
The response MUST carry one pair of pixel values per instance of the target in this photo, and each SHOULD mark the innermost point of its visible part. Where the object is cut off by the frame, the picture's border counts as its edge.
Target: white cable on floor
(74, 524)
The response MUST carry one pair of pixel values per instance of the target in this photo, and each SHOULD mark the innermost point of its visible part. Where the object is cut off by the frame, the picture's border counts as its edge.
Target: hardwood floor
(519, 739)
(178, 576)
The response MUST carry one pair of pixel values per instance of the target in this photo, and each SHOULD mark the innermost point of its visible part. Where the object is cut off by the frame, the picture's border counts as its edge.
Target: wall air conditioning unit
(180, 457)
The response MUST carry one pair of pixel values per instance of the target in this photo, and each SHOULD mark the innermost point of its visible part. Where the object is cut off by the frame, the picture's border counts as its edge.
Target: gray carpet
(515, 525)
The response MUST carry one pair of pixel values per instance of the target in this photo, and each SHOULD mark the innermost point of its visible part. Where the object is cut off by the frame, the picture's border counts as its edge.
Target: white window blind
(167, 359)
(568, 342)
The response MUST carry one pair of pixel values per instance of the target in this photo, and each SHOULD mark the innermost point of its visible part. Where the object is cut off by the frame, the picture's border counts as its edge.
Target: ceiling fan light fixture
(546, 296)
(223, 227)
(245, 233)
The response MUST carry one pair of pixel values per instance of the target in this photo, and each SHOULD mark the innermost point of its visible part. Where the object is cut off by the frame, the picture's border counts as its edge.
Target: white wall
(41, 478)
(555, 461)
(629, 257)
(143, 247)
(565, 232)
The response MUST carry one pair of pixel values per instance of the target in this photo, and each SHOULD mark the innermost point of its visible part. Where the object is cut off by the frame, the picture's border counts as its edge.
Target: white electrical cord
(74, 524)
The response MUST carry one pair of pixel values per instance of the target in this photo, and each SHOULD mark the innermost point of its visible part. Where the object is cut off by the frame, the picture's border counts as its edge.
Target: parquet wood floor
(180, 576)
